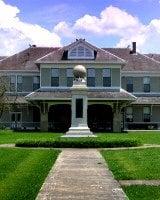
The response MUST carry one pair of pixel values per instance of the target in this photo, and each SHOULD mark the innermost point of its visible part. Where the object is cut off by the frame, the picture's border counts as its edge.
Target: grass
(149, 137)
(22, 172)
(8, 136)
(134, 164)
(142, 192)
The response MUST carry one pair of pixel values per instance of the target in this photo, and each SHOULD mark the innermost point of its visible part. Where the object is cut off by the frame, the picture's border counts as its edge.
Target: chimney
(133, 51)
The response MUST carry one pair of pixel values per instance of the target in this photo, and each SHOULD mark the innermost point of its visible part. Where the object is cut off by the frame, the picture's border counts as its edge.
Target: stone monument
(79, 126)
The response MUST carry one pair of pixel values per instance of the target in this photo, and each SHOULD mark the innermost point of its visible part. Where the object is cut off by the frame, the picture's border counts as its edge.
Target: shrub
(78, 143)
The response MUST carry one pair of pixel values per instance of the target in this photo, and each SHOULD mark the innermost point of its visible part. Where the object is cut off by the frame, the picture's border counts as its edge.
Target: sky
(104, 23)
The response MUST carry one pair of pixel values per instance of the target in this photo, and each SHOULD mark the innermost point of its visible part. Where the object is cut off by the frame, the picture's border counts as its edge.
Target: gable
(81, 51)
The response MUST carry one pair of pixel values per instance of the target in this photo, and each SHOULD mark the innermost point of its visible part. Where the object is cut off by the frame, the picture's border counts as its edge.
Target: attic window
(81, 52)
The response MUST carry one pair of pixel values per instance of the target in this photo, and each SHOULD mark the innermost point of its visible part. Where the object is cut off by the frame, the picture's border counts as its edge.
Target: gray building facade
(123, 88)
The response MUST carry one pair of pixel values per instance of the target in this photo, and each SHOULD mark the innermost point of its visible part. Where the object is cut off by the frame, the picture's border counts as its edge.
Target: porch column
(44, 117)
(116, 118)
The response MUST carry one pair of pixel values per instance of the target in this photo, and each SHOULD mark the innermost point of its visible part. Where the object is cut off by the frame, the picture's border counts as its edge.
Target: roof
(24, 60)
(135, 62)
(154, 56)
(147, 100)
(57, 94)
(2, 57)
(16, 100)
(60, 55)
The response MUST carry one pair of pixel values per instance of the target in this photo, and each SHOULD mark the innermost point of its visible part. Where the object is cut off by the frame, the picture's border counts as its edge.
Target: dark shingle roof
(100, 54)
(135, 62)
(2, 57)
(147, 100)
(154, 56)
(92, 94)
(24, 60)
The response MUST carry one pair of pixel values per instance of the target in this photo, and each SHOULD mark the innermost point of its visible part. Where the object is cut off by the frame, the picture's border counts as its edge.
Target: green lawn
(142, 192)
(152, 137)
(22, 172)
(134, 164)
(7, 136)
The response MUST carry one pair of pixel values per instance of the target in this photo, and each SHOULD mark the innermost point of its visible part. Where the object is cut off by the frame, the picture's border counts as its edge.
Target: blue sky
(104, 23)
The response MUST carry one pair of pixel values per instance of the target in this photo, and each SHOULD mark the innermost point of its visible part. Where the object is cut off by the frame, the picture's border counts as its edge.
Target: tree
(3, 97)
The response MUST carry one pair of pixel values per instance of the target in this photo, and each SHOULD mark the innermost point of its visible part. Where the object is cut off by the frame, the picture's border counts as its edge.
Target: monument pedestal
(79, 126)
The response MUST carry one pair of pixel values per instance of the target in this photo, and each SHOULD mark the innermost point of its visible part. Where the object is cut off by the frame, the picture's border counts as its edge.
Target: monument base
(79, 132)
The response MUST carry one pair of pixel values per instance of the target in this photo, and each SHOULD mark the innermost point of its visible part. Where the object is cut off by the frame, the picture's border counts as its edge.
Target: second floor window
(146, 84)
(36, 82)
(146, 114)
(129, 85)
(55, 77)
(91, 77)
(13, 83)
(19, 83)
(106, 77)
(129, 114)
(69, 77)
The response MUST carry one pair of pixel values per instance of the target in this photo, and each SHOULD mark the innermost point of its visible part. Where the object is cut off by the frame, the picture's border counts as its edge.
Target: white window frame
(76, 56)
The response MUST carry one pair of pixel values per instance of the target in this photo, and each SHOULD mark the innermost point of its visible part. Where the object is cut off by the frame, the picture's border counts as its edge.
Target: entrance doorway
(100, 118)
(59, 117)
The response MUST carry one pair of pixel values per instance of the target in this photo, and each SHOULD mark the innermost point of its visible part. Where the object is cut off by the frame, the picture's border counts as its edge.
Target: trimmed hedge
(78, 143)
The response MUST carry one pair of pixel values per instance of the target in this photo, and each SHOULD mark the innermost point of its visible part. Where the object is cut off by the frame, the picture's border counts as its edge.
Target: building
(123, 88)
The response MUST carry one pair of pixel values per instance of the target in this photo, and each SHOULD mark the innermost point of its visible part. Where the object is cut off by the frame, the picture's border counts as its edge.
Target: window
(81, 52)
(16, 117)
(69, 77)
(146, 84)
(146, 114)
(79, 108)
(36, 82)
(91, 77)
(129, 114)
(129, 86)
(106, 77)
(19, 83)
(55, 77)
(13, 83)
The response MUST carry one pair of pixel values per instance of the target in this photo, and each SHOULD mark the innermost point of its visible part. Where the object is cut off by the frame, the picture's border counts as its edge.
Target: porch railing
(142, 125)
(20, 125)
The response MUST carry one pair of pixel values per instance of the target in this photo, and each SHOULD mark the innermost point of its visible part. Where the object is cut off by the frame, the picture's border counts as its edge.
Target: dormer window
(81, 52)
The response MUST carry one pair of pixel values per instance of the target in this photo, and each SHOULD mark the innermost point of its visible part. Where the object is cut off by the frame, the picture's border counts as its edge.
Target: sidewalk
(80, 174)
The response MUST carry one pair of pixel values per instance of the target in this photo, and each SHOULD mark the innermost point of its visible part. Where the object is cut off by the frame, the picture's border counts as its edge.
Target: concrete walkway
(80, 174)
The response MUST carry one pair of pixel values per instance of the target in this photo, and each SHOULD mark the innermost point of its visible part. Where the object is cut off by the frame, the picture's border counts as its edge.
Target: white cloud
(113, 21)
(16, 35)
(62, 28)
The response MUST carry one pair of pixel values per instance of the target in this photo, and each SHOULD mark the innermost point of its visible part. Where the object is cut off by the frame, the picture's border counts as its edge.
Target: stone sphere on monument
(79, 71)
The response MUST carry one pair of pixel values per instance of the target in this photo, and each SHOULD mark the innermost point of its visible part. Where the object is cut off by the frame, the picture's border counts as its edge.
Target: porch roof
(16, 100)
(93, 94)
(147, 100)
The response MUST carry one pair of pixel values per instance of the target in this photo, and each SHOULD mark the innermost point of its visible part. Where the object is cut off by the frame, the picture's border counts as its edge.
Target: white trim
(28, 73)
(72, 65)
(145, 93)
(140, 73)
(80, 62)
(95, 88)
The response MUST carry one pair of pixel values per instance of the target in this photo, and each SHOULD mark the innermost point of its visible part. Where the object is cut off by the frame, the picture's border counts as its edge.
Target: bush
(78, 143)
